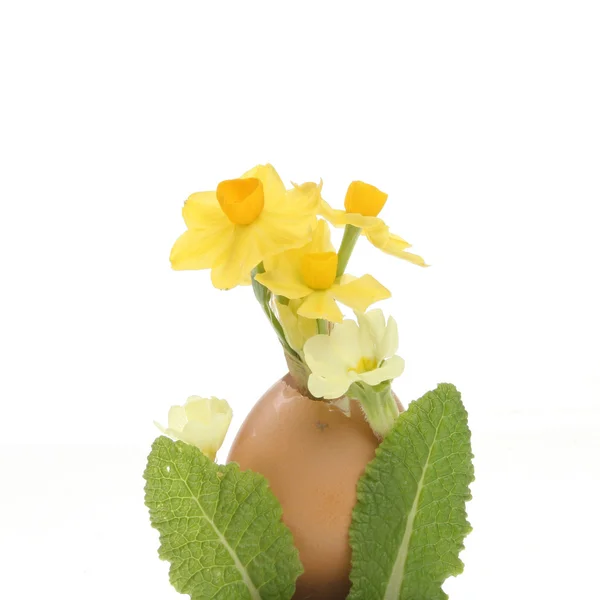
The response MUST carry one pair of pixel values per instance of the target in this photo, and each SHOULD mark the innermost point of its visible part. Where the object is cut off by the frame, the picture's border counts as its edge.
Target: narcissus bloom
(200, 422)
(363, 352)
(363, 203)
(246, 220)
(309, 274)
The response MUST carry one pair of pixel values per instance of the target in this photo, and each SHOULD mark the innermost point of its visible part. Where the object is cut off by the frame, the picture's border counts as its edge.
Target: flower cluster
(252, 230)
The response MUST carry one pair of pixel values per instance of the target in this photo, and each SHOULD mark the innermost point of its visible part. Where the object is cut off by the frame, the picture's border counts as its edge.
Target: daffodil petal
(236, 261)
(360, 293)
(302, 199)
(199, 249)
(392, 368)
(362, 222)
(321, 239)
(273, 187)
(396, 246)
(280, 283)
(334, 216)
(288, 261)
(415, 259)
(201, 211)
(250, 244)
(341, 218)
(378, 234)
(321, 305)
(279, 233)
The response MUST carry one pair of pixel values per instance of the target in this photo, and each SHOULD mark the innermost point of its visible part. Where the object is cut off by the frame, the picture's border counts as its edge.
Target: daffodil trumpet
(362, 204)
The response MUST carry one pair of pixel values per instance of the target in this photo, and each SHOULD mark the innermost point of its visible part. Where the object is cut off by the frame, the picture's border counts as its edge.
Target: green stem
(378, 403)
(351, 235)
(263, 295)
(322, 326)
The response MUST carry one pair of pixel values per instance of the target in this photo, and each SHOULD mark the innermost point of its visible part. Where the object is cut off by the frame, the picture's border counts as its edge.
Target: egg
(312, 454)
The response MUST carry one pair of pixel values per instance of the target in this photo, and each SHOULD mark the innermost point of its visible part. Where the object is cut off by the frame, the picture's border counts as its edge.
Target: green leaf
(409, 522)
(220, 528)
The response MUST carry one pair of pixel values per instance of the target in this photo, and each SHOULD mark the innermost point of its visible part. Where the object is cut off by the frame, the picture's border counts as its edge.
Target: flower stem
(322, 327)
(263, 295)
(378, 404)
(351, 235)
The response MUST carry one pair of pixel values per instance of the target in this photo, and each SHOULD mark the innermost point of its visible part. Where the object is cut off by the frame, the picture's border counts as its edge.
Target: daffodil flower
(309, 274)
(353, 353)
(363, 203)
(232, 229)
(200, 422)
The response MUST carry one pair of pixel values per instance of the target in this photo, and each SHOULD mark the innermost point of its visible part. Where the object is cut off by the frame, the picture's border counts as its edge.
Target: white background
(482, 122)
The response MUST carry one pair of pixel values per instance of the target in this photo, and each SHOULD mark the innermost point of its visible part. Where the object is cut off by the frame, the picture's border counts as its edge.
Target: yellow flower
(309, 274)
(246, 220)
(363, 203)
(200, 422)
(363, 352)
(297, 329)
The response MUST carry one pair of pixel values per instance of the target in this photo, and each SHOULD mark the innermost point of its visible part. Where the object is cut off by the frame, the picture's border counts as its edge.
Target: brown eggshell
(312, 455)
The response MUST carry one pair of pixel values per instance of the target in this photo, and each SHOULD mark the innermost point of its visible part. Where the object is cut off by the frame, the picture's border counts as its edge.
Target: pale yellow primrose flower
(309, 274)
(200, 422)
(363, 352)
(234, 228)
(363, 203)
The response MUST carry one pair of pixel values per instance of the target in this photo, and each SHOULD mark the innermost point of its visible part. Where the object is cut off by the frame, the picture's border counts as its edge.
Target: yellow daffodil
(353, 353)
(200, 422)
(309, 274)
(363, 203)
(246, 220)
